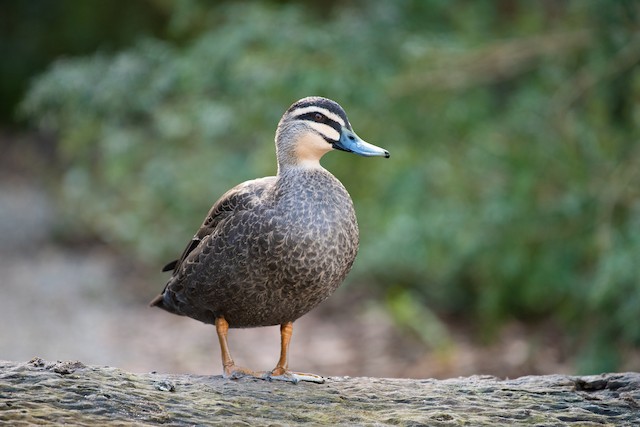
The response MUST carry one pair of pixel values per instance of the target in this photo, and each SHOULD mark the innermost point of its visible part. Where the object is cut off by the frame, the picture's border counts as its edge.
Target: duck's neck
(300, 166)
(303, 175)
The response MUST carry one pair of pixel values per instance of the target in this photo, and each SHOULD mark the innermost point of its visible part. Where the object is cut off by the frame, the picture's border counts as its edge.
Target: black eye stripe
(311, 116)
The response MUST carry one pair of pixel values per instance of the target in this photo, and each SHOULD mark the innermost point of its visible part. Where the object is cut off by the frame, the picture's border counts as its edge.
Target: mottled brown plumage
(273, 248)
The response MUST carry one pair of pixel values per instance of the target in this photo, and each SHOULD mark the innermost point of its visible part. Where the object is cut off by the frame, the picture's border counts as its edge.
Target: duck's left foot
(233, 372)
(294, 377)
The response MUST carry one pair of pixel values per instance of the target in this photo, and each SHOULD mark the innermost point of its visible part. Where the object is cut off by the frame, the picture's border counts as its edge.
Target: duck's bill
(352, 143)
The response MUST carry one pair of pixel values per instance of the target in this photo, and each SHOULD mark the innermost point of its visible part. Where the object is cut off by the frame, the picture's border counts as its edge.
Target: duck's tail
(158, 301)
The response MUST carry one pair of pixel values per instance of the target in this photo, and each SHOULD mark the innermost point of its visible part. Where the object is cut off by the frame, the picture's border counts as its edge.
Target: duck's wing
(240, 197)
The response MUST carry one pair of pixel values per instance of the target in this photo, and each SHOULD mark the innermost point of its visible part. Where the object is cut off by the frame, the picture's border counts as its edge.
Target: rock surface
(41, 392)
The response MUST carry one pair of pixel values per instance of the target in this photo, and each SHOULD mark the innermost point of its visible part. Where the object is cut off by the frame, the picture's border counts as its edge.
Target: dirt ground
(90, 304)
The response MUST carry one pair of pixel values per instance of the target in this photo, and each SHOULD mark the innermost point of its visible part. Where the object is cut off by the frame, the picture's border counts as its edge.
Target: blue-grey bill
(352, 143)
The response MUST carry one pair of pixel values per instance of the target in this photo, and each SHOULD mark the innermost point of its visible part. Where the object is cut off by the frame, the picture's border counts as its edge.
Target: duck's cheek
(310, 148)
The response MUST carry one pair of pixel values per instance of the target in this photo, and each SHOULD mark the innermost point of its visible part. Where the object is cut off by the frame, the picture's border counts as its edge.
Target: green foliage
(35, 32)
(512, 190)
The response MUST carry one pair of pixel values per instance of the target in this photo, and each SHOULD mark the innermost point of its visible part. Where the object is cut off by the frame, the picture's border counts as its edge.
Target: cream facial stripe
(325, 130)
(315, 109)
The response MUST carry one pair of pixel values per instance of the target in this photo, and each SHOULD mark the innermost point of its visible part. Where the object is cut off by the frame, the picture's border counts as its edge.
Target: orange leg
(229, 368)
(286, 330)
(281, 371)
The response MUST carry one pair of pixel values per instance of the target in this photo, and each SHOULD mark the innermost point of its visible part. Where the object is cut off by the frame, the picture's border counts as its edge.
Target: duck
(271, 249)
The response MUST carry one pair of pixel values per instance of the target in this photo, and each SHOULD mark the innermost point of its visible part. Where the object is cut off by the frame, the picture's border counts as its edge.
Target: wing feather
(240, 197)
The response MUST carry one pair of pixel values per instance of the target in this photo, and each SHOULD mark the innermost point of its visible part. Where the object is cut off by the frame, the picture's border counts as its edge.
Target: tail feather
(166, 305)
(157, 301)
(170, 266)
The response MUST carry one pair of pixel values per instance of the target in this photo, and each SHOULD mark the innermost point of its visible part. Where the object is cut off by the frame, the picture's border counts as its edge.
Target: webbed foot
(280, 374)
(234, 372)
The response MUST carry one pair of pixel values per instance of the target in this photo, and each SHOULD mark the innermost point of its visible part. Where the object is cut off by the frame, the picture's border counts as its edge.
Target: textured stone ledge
(41, 392)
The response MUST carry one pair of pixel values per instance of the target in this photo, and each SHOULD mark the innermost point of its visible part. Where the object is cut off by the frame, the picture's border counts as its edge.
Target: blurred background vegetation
(513, 187)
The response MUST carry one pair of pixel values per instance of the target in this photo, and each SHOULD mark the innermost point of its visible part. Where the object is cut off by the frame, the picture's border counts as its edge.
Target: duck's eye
(318, 117)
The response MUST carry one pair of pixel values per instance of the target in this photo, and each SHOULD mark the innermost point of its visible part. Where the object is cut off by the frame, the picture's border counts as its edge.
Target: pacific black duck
(273, 248)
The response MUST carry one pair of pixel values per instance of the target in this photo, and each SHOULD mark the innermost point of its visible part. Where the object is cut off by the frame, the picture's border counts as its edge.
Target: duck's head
(313, 126)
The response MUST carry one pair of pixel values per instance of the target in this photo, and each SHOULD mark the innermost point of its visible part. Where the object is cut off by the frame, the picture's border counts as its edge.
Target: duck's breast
(302, 251)
(274, 259)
